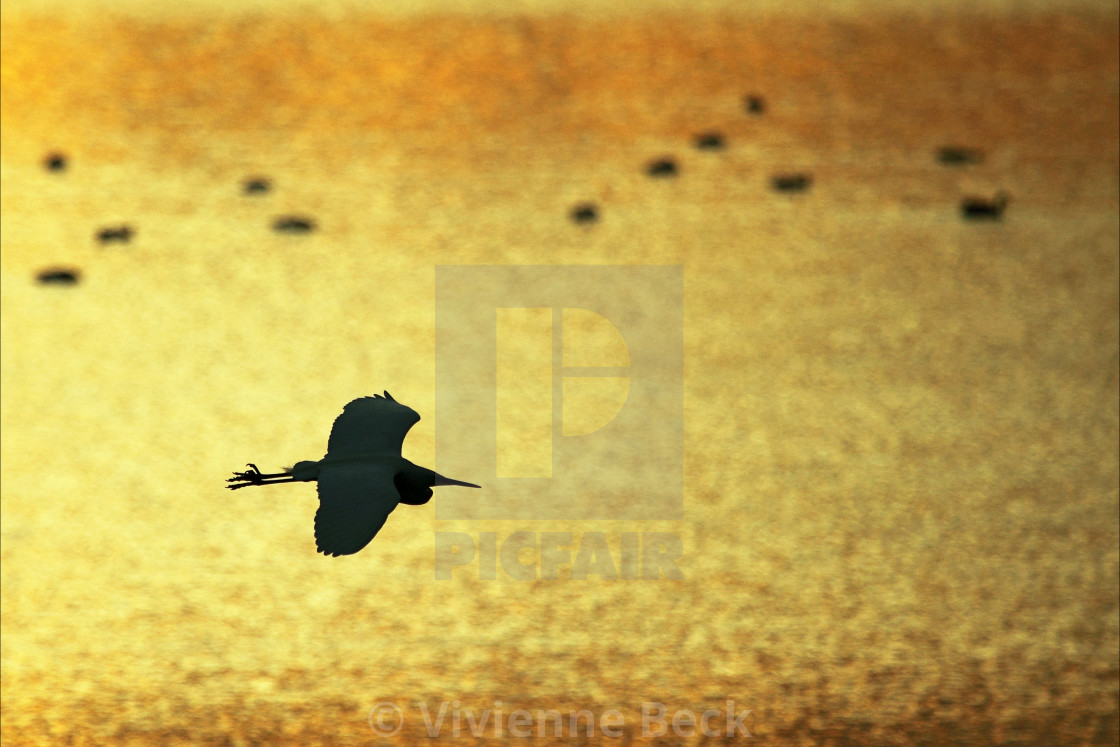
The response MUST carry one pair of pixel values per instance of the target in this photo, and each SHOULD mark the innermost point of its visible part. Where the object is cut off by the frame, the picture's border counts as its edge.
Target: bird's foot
(251, 476)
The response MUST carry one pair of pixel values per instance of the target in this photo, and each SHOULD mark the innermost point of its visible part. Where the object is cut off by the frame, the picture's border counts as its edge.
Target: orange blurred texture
(901, 437)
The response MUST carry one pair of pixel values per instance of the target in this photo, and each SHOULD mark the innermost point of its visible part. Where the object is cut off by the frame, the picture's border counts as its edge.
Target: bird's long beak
(441, 480)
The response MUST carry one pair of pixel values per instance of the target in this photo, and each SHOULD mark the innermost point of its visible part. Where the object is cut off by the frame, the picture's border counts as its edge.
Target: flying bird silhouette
(363, 476)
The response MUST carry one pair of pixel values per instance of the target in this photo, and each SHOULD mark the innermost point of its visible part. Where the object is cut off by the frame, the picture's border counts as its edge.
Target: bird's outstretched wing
(355, 498)
(371, 425)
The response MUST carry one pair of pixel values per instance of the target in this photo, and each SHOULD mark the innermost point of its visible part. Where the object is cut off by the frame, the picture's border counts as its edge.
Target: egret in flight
(363, 476)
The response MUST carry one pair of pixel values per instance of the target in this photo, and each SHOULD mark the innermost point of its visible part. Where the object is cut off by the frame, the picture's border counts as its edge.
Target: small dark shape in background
(709, 141)
(55, 162)
(956, 156)
(585, 212)
(258, 186)
(754, 104)
(59, 276)
(978, 208)
(293, 224)
(123, 234)
(791, 182)
(662, 167)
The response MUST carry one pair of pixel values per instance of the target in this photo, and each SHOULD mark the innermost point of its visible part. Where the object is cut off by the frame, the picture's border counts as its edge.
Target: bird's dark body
(363, 476)
(976, 208)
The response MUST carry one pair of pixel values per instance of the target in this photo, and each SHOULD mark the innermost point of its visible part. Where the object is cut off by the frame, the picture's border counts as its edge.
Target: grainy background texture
(900, 427)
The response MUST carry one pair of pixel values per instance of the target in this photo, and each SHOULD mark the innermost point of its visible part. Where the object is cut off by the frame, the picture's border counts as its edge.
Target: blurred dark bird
(55, 162)
(121, 234)
(791, 182)
(952, 155)
(976, 208)
(59, 276)
(293, 224)
(363, 476)
(584, 212)
(257, 186)
(662, 167)
(709, 141)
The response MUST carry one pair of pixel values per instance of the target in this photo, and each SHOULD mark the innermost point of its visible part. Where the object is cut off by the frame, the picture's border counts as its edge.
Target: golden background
(901, 428)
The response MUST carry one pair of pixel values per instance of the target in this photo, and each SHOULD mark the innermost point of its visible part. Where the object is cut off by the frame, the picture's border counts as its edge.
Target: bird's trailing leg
(254, 476)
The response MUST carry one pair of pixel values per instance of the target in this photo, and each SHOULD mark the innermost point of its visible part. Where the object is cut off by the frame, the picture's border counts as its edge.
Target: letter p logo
(560, 388)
